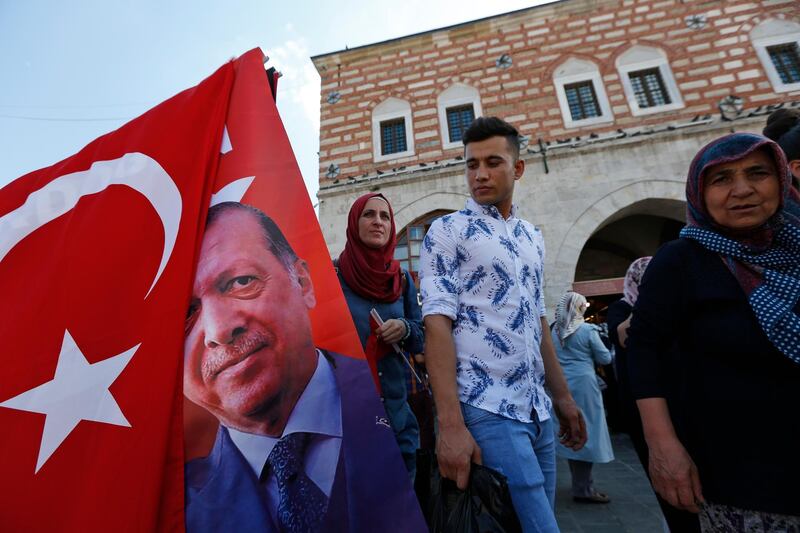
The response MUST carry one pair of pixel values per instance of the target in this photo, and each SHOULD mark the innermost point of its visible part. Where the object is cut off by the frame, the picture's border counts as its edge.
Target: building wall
(586, 189)
(595, 174)
(707, 64)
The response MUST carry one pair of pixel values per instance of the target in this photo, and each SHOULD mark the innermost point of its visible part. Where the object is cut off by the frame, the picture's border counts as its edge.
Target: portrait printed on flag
(299, 440)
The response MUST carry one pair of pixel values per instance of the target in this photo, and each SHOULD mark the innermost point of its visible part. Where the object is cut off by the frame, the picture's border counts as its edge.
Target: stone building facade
(613, 97)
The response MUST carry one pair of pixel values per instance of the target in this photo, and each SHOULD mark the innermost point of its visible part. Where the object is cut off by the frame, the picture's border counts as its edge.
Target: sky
(72, 71)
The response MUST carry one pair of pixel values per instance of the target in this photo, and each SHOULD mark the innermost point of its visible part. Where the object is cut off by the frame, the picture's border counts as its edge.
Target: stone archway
(613, 247)
(664, 198)
(448, 201)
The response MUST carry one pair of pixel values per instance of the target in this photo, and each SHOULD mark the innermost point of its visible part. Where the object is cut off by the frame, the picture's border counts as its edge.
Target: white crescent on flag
(80, 390)
(135, 170)
(232, 192)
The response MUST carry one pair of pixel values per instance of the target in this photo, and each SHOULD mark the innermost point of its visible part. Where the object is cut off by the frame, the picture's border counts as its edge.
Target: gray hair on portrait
(273, 236)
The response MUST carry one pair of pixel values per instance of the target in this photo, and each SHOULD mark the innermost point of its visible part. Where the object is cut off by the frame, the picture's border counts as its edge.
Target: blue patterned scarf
(766, 260)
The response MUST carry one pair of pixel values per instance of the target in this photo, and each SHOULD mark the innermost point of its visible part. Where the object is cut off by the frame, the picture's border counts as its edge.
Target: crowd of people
(704, 345)
(705, 341)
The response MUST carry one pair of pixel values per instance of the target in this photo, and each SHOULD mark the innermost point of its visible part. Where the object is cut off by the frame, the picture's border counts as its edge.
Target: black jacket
(733, 397)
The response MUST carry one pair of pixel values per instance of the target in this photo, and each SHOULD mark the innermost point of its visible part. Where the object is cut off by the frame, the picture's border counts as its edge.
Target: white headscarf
(569, 314)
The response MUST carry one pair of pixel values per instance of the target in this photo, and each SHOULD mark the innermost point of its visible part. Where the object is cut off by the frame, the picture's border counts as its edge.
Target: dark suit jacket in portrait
(371, 489)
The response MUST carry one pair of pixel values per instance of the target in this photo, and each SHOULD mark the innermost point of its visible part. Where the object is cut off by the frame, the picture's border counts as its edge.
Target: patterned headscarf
(766, 260)
(569, 314)
(633, 277)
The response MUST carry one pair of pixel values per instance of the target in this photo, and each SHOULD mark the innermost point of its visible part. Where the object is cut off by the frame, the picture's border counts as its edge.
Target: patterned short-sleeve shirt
(485, 273)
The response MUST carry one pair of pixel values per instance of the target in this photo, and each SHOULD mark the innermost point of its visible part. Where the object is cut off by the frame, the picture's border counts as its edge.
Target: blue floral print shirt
(485, 273)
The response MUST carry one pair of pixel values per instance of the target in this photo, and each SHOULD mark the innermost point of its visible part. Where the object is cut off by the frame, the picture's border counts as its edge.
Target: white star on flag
(79, 391)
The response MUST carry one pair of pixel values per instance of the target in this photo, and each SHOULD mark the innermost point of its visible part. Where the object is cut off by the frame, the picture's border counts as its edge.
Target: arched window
(581, 94)
(392, 132)
(648, 81)
(777, 44)
(458, 106)
(409, 241)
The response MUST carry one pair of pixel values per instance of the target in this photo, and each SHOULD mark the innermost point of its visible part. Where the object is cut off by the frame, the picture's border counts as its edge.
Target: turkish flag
(258, 168)
(259, 149)
(97, 255)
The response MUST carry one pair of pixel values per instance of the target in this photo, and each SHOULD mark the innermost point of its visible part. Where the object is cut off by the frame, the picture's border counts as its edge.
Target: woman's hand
(622, 331)
(393, 330)
(674, 474)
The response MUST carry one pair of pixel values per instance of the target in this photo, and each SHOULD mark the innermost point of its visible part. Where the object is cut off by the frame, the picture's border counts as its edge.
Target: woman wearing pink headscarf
(619, 319)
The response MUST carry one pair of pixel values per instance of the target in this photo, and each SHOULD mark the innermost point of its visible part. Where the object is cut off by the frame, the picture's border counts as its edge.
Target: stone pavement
(633, 507)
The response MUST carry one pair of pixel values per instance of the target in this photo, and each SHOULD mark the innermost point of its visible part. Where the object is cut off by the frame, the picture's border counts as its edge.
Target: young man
(487, 349)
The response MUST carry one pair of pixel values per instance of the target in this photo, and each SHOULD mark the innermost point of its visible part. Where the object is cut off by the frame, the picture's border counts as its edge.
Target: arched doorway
(409, 241)
(657, 197)
(635, 231)
(608, 252)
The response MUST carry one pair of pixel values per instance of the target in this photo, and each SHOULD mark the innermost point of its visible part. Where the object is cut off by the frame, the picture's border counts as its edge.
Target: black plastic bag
(485, 507)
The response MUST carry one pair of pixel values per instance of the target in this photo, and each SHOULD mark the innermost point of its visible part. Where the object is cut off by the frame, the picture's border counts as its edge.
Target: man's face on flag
(249, 352)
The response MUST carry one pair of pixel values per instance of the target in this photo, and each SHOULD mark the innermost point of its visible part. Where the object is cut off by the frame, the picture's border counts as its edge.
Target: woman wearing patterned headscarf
(372, 279)
(579, 348)
(714, 344)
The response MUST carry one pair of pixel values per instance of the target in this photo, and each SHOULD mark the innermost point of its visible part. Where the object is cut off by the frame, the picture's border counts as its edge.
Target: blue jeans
(525, 454)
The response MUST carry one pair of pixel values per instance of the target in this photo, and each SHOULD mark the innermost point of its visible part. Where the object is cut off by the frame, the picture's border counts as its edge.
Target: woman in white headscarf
(579, 349)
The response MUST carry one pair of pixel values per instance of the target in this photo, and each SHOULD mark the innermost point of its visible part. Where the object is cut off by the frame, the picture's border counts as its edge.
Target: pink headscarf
(633, 277)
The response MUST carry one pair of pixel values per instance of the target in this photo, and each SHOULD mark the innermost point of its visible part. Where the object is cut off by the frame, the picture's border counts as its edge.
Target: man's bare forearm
(440, 360)
(553, 376)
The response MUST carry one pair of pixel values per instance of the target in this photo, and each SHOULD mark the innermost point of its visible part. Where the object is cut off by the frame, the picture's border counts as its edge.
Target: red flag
(259, 148)
(248, 317)
(96, 264)
(258, 167)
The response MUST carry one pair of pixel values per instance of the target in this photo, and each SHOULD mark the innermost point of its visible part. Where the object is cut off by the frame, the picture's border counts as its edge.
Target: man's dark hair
(781, 121)
(783, 127)
(483, 128)
(276, 242)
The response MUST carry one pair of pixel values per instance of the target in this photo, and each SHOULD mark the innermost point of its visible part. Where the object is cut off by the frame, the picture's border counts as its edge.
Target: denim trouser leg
(525, 454)
(582, 483)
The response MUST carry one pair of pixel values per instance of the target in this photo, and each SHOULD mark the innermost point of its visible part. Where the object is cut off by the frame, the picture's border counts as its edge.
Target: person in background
(619, 319)
(783, 127)
(714, 344)
(579, 349)
(372, 279)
